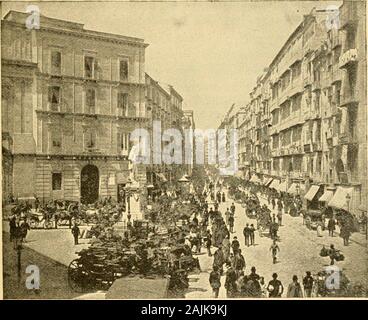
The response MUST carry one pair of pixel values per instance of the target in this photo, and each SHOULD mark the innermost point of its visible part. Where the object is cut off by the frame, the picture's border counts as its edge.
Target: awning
(339, 200)
(274, 184)
(267, 182)
(327, 196)
(311, 193)
(282, 187)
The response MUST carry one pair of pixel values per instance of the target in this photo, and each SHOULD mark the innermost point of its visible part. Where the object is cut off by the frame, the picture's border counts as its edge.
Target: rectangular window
(56, 181)
(89, 67)
(56, 139)
(56, 62)
(90, 139)
(90, 100)
(123, 99)
(123, 141)
(54, 98)
(123, 69)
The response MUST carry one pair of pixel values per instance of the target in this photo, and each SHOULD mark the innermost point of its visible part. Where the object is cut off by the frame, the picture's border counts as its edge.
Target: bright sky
(211, 52)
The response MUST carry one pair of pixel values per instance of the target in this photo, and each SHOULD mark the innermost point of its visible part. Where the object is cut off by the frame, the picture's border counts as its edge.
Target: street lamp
(127, 197)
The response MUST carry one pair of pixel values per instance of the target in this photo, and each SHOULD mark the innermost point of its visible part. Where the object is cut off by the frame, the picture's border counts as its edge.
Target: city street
(299, 252)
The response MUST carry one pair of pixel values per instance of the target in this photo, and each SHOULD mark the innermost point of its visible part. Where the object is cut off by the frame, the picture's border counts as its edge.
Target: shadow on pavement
(53, 275)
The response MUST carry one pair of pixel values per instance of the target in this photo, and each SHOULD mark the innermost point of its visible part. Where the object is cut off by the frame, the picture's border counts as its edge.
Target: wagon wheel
(78, 278)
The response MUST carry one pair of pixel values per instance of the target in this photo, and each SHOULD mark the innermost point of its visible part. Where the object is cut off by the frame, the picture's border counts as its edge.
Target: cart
(37, 221)
(313, 219)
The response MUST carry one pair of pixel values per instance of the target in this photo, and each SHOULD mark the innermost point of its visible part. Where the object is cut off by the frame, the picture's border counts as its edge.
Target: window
(54, 98)
(90, 139)
(56, 139)
(123, 70)
(89, 67)
(55, 62)
(56, 181)
(90, 100)
(123, 99)
(123, 141)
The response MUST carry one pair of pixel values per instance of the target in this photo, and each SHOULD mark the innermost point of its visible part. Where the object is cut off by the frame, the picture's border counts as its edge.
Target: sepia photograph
(184, 150)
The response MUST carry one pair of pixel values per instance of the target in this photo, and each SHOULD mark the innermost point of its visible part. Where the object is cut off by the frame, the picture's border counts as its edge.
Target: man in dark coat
(331, 226)
(215, 281)
(246, 234)
(230, 282)
(75, 233)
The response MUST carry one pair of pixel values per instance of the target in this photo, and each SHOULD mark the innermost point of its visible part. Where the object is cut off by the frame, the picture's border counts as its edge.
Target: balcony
(307, 148)
(348, 58)
(348, 99)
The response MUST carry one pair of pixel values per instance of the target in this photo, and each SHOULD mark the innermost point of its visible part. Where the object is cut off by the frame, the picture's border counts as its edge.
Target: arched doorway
(89, 184)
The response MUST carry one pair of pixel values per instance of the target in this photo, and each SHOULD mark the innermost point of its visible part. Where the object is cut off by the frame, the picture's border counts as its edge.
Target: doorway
(89, 184)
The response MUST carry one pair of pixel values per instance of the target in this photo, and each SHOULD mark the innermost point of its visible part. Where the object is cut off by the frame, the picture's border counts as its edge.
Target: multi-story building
(165, 104)
(227, 148)
(70, 98)
(305, 124)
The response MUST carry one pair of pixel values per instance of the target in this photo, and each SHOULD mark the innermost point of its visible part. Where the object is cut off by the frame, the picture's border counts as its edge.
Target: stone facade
(70, 97)
(306, 122)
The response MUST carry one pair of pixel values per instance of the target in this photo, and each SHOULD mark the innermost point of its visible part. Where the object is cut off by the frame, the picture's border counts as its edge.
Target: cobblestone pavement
(299, 252)
(53, 250)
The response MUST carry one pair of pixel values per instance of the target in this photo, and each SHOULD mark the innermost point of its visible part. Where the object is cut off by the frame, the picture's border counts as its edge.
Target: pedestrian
(12, 227)
(331, 226)
(215, 281)
(231, 223)
(308, 284)
(227, 215)
(345, 233)
(209, 243)
(230, 282)
(24, 227)
(275, 288)
(239, 262)
(226, 248)
(252, 234)
(232, 208)
(37, 203)
(332, 254)
(76, 233)
(273, 202)
(246, 234)
(279, 216)
(223, 197)
(274, 250)
(218, 259)
(235, 245)
(295, 289)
